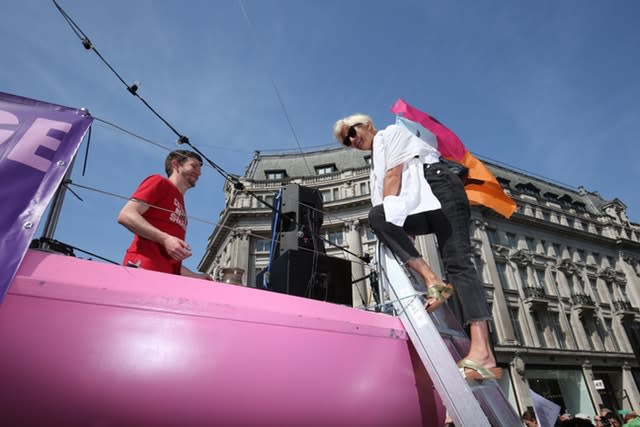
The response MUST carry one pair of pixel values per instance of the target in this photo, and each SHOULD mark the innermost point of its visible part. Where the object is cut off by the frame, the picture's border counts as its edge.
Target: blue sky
(549, 87)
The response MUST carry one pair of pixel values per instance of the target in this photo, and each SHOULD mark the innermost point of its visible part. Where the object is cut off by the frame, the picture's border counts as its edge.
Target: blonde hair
(343, 124)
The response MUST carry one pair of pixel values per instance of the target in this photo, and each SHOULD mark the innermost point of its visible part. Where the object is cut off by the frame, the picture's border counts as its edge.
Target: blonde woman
(413, 193)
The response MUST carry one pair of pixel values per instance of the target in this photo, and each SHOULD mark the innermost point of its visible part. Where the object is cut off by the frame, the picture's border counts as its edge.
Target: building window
(612, 335)
(538, 325)
(554, 384)
(326, 169)
(587, 324)
(602, 334)
(542, 282)
(529, 189)
(335, 237)
(275, 174)
(263, 245)
(566, 201)
(263, 200)
(611, 262)
(531, 245)
(594, 290)
(583, 285)
(330, 194)
(364, 188)
(367, 159)
(560, 336)
(502, 275)
(611, 292)
(515, 322)
(369, 235)
(492, 235)
(524, 277)
(504, 182)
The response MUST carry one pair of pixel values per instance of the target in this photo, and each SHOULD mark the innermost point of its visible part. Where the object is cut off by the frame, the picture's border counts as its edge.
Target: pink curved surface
(85, 343)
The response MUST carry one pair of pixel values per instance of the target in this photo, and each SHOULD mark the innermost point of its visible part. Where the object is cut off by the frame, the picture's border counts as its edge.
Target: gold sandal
(440, 292)
(474, 371)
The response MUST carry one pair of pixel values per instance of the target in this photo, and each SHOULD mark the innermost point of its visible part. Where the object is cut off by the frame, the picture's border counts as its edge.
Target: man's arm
(131, 217)
(186, 272)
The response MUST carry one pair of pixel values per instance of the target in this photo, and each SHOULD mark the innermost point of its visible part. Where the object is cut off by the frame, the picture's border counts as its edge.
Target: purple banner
(37, 142)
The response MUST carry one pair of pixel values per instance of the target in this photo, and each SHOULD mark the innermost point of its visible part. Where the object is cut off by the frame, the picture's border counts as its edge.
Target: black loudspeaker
(300, 220)
(318, 276)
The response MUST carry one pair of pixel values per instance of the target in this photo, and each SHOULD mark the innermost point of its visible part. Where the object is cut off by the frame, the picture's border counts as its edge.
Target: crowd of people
(604, 418)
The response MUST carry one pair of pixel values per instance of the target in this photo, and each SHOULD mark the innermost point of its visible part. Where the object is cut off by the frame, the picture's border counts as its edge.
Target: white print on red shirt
(179, 216)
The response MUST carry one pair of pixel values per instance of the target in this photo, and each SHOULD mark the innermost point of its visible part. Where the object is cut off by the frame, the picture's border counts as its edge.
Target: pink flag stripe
(449, 144)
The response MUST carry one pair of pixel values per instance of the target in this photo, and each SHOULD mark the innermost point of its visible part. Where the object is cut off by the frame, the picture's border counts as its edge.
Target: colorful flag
(547, 412)
(37, 143)
(482, 187)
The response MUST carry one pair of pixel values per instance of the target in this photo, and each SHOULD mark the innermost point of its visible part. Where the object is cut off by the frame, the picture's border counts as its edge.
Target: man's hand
(186, 272)
(177, 249)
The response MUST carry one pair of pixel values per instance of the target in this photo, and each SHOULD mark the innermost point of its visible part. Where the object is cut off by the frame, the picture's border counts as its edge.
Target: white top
(395, 145)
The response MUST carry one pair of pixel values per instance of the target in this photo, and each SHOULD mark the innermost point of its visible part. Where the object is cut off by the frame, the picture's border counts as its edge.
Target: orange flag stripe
(484, 189)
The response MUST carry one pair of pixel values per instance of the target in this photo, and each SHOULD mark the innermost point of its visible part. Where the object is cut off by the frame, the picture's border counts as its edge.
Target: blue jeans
(451, 227)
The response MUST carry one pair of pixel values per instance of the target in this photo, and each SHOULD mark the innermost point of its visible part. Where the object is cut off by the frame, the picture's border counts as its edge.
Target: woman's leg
(451, 226)
(397, 239)
(480, 348)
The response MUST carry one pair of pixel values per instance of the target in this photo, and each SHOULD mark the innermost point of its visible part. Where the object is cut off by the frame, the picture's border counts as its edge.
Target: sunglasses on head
(351, 133)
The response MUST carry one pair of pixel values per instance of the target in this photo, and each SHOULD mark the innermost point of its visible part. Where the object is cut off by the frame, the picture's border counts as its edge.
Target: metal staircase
(440, 341)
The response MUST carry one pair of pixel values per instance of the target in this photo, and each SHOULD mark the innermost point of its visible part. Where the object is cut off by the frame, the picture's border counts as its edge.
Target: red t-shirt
(166, 212)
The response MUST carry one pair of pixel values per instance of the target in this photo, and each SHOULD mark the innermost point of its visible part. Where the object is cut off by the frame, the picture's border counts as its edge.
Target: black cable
(133, 89)
(93, 255)
(366, 257)
(273, 83)
(66, 183)
(65, 248)
(86, 153)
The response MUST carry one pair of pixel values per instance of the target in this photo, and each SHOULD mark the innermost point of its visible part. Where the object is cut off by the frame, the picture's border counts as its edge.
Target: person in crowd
(157, 217)
(414, 193)
(607, 418)
(631, 419)
(529, 418)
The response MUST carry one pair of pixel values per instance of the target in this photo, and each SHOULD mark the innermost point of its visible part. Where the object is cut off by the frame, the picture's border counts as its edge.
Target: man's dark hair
(181, 156)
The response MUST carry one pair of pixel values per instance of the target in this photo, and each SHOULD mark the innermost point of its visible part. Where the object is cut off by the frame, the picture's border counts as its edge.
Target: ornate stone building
(562, 275)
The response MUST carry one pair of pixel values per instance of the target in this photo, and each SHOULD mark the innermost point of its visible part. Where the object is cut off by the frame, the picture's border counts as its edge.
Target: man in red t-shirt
(156, 215)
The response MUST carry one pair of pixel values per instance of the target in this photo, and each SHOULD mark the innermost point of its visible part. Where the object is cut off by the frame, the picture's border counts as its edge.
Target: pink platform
(91, 344)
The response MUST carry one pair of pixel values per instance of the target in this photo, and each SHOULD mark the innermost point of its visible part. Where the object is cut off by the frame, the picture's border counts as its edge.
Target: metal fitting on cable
(87, 43)
(134, 87)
